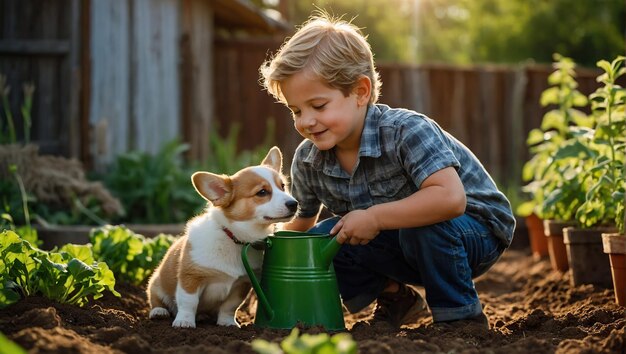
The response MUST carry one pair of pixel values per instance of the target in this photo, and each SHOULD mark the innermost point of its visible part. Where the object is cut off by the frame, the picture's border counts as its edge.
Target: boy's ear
(274, 159)
(363, 90)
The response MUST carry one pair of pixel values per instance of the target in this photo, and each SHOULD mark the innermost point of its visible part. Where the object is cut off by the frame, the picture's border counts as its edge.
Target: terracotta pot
(557, 251)
(615, 246)
(587, 262)
(536, 236)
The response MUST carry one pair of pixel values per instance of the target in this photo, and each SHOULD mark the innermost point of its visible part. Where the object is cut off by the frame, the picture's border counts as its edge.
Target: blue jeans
(443, 258)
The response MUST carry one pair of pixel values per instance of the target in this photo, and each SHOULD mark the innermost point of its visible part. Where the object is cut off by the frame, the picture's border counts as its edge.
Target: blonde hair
(332, 49)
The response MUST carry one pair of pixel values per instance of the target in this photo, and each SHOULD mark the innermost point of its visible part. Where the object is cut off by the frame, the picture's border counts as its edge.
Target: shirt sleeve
(301, 188)
(423, 148)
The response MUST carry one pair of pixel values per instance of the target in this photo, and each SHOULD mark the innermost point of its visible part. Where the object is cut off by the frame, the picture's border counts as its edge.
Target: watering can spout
(329, 250)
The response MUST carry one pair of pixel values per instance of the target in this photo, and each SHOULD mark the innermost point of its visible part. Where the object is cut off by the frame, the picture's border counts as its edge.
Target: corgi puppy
(203, 271)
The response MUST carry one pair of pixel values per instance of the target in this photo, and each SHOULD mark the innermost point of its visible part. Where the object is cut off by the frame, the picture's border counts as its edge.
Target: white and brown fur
(202, 271)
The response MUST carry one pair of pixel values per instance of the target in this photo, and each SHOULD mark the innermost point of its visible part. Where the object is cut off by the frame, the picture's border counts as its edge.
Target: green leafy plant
(154, 189)
(9, 347)
(322, 343)
(131, 257)
(157, 188)
(10, 136)
(26, 232)
(604, 201)
(558, 157)
(69, 276)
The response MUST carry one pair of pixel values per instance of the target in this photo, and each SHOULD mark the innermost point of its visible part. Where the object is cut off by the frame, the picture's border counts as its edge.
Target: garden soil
(531, 308)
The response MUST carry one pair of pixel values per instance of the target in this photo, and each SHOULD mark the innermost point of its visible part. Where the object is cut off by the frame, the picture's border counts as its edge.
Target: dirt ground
(531, 308)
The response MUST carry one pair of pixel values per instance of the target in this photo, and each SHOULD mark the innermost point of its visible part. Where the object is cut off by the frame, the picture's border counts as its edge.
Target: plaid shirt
(399, 150)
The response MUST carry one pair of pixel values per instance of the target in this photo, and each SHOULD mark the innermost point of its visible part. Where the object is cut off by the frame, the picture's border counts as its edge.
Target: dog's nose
(292, 205)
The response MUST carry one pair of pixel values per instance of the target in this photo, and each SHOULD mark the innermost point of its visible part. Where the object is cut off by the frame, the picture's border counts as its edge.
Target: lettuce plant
(70, 275)
(132, 257)
(340, 343)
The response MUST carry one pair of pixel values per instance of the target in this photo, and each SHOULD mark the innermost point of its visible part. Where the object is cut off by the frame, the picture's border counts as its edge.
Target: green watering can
(298, 282)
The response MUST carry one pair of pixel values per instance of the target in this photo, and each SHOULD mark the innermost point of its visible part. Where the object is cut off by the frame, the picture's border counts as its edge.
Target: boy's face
(323, 114)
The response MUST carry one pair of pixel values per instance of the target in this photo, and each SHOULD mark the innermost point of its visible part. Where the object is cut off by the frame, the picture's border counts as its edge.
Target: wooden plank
(516, 118)
(85, 93)
(34, 47)
(110, 72)
(155, 111)
(457, 107)
(197, 76)
(74, 77)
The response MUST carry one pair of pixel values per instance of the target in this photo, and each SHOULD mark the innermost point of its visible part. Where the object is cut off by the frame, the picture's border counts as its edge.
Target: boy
(413, 205)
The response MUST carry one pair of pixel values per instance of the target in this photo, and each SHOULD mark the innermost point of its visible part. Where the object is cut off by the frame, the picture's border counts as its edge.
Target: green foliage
(578, 169)
(387, 24)
(480, 31)
(322, 343)
(154, 189)
(506, 31)
(477, 31)
(225, 157)
(157, 189)
(558, 155)
(563, 186)
(604, 201)
(68, 276)
(9, 135)
(9, 347)
(26, 232)
(130, 256)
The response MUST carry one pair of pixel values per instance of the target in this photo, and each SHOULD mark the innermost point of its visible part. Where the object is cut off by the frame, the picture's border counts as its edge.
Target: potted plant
(604, 201)
(552, 172)
(600, 212)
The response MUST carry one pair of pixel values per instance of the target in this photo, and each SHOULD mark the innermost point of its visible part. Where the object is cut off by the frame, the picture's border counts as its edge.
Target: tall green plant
(604, 201)
(156, 188)
(9, 136)
(225, 156)
(553, 183)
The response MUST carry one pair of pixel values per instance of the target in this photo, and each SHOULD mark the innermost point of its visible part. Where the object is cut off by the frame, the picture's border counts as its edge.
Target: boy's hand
(358, 227)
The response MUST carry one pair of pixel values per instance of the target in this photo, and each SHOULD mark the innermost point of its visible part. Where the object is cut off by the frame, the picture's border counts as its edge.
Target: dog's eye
(262, 193)
(282, 187)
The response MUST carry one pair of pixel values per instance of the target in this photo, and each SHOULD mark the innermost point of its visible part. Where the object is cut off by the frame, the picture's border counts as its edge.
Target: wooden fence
(490, 109)
(39, 43)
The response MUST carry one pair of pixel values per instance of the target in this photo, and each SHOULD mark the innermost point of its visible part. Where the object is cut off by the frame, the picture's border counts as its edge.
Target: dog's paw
(184, 321)
(159, 312)
(226, 321)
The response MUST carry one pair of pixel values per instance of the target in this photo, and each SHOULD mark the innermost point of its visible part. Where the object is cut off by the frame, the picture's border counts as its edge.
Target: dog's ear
(215, 188)
(274, 159)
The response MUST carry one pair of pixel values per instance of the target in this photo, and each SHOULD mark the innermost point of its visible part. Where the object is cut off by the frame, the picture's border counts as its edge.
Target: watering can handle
(330, 250)
(255, 283)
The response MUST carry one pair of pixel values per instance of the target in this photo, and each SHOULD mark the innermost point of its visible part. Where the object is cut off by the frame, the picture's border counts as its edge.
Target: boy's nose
(308, 121)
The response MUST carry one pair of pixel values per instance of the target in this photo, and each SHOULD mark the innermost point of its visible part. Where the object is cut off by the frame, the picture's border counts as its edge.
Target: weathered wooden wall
(39, 44)
(240, 99)
(135, 94)
(197, 75)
